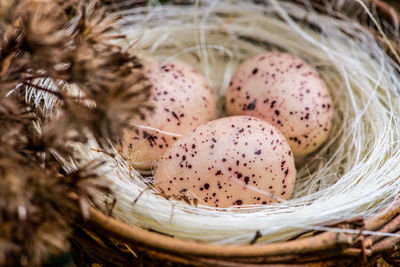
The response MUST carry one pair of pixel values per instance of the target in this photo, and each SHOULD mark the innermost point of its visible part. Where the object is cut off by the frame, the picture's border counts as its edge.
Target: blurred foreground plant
(50, 47)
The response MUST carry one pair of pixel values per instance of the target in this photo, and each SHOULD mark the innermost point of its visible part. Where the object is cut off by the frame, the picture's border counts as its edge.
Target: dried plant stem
(320, 247)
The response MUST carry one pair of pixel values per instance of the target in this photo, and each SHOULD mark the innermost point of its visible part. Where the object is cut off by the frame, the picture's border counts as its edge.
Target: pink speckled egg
(230, 161)
(182, 100)
(288, 93)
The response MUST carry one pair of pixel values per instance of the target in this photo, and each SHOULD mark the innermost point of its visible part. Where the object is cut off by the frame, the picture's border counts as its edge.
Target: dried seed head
(67, 43)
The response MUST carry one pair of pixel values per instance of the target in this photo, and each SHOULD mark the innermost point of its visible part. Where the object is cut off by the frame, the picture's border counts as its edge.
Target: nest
(354, 174)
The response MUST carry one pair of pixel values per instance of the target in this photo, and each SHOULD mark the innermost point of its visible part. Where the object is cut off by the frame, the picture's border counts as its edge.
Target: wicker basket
(108, 242)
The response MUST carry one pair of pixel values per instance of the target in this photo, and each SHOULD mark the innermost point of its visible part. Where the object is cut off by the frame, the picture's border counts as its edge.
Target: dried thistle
(69, 41)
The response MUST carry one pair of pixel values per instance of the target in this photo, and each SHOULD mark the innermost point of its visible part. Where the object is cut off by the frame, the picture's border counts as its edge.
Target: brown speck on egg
(238, 202)
(252, 105)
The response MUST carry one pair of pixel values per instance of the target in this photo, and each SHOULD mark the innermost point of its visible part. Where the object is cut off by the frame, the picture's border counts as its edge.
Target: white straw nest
(355, 173)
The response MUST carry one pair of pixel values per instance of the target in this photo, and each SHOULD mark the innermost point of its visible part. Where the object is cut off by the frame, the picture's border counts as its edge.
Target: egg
(288, 93)
(231, 161)
(182, 100)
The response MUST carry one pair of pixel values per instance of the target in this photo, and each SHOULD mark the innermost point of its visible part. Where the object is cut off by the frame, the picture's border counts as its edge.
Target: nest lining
(355, 173)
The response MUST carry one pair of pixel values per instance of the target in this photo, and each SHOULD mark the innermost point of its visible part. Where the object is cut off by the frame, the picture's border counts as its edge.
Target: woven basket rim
(386, 220)
(323, 241)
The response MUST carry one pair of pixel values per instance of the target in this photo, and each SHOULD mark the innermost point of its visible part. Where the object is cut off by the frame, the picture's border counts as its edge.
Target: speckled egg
(230, 161)
(182, 100)
(288, 93)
